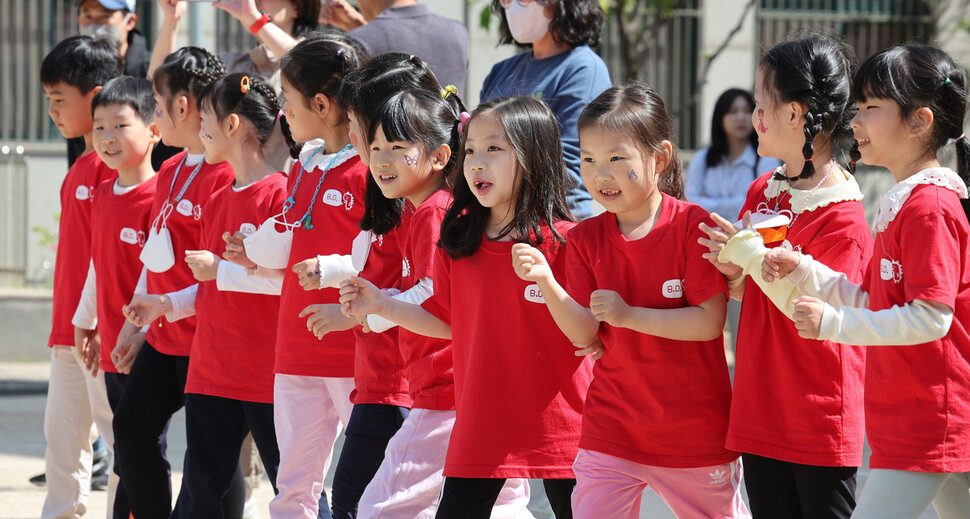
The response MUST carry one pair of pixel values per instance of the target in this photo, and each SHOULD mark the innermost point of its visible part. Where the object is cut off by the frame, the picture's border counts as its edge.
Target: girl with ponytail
(915, 297)
(796, 412)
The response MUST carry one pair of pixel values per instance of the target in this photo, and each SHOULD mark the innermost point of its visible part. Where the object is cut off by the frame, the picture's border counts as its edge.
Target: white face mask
(106, 32)
(527, 23)
(268, 248)
(157, 254)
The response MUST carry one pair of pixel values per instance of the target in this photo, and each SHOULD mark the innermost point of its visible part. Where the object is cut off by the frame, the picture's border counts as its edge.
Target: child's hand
(143, 309)
(309, 274)
(324, 318)
(236, 250)
(594, 348)
(607, 306)
(778, 263)
(360, 297)
(808, 316)
(172, 9)
(529, 263)
(717, 238)
(88, 345)
(204, 264)
(130, 341)
(340, 14)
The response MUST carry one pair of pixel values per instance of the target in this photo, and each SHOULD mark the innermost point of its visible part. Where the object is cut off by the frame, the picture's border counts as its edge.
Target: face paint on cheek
(159, 114)
(410, 161)
(206, 137)
(761, 121)
(633, 175)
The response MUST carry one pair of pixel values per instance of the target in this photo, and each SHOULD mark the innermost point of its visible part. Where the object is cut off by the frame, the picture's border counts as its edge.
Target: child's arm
(913, 323)
(326, 318)
(278, 41)
(85, 322)
(322, 272)
(415, 295)
(234, 278)
(577, 322)
(813, 278)
(360, 297)
(165, 40)
(703, 322)
(732, 273)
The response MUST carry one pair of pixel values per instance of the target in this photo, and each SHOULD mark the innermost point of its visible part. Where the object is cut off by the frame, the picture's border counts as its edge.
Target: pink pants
(408, 483)
(611, 487)
(309, 413)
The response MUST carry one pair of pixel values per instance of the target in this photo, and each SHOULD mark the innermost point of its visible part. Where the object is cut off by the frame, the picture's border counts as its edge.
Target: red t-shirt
(184, 226)
(429, 366)
(519, 389)
(337, 211)
(795, 399)
(653, 401)
(918, 397)
(74, 242)
(120, 225)
(232, 352)
(378, 365)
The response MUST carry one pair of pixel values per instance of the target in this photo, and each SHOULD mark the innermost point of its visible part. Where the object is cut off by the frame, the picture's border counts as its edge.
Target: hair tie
(852, 162)
(244, 85)
(463, 121)
(279, 115)
(946, 81)
(449, 90)
(962, 135)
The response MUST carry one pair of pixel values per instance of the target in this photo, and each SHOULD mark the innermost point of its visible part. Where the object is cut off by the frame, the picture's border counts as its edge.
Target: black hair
(719, 139)
(135, 92)
(294, 147)
(419, 117)
(637, 111)
(81, 62)
(362, 92)
(307, 17)
(574, 23)
(259, 105)
(815, 71)
(915, 76)
(533, 132)
(187, 71)
(319, 63)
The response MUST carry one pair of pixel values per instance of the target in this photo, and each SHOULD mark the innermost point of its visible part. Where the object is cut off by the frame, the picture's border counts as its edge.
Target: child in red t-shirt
(518, 399)
(657, 410)
(796, 411)
(913, 307)
(71, 74)
(124, 136)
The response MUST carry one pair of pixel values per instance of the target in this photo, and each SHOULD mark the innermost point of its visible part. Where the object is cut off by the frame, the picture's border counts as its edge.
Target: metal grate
(13, 216)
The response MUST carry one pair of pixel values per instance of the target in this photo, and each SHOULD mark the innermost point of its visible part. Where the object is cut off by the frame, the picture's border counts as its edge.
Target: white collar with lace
(800, 201)
(310, 162)
(894, 199)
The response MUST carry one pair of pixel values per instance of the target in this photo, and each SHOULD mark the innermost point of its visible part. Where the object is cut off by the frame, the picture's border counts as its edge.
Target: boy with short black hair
(72, 74)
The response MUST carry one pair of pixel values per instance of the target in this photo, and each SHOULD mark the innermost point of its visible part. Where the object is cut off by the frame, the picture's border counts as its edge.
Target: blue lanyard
(307, 221)
(187, 182)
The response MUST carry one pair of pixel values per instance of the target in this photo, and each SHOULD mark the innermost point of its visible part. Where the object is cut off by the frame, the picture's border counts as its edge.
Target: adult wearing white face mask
(561, 69)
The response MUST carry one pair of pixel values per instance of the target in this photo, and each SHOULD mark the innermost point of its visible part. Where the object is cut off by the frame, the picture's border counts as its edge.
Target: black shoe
(39, 480)
(99, 472)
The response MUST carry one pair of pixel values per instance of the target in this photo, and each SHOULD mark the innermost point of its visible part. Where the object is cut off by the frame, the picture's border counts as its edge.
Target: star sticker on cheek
(633, 175)
(410, 161)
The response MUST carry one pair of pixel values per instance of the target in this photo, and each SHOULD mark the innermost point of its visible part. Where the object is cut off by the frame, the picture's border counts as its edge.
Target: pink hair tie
(279, 114)
(463, 121)
(962, 135)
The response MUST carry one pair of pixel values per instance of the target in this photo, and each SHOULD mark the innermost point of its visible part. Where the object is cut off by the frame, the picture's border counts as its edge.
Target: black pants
(154, 391)
(472, 498)
(114, 384)
(215, 428)
(371, 427)
(781, 490)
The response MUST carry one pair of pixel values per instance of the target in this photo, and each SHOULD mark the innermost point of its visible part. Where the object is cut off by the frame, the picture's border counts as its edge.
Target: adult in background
(561, 69)
(718, 175)
(405, 26)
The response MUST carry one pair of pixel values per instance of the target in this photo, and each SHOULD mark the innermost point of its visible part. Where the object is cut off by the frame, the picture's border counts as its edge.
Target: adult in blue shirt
(560, 68)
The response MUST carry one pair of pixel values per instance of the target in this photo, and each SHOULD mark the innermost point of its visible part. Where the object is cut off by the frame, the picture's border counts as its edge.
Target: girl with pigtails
(913, 306)
(796, 414)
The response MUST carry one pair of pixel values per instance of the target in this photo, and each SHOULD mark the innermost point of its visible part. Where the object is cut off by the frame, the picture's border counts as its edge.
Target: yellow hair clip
(244, 85)
(449, 90)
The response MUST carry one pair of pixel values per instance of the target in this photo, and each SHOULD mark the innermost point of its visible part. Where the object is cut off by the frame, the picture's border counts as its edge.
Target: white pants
(901, 494)
(77, 410)
(309, 413)
(408, 483)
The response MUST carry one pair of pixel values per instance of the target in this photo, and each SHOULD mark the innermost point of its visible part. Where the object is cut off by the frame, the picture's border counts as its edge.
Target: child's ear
(182, 104)
(921, 121)
(796, 114)
(154, 135)
(322, 104)
(663, 156)
(95, 90)
(231, 125)
(440, 157)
